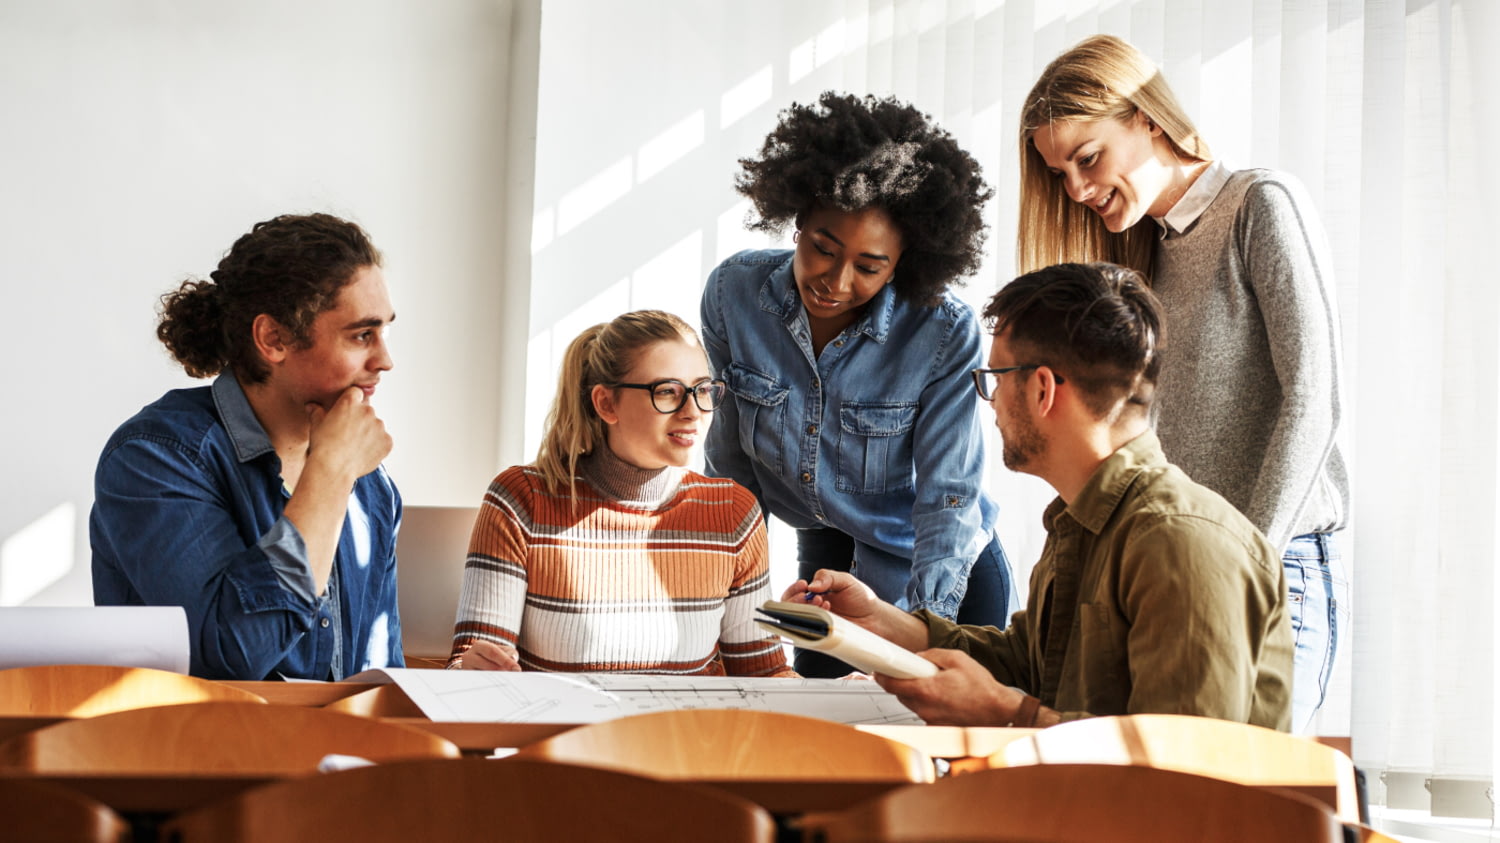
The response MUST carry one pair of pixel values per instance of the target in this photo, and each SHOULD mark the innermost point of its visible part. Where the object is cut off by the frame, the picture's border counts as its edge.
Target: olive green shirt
(1153, 595)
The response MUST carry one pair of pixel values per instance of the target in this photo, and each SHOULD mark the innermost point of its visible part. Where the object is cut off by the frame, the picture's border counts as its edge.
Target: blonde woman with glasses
(606, 554)
(1112, 169)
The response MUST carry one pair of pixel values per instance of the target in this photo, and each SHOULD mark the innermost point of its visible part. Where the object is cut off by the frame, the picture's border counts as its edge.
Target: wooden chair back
(87, 690)
(377, 701)
(735, 744)
(39, 812)
(1204, 746)
(1084, 803)
(475, 799)
(246, 739)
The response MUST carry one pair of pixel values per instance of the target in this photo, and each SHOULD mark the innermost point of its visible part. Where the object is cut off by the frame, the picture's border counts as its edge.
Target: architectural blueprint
(504, 697)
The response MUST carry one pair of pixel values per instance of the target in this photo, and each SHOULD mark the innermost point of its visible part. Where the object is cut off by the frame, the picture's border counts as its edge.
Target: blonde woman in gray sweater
(1249, 398)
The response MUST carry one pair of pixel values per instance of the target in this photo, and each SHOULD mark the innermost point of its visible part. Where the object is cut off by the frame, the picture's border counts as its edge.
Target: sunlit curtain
(1377, 107)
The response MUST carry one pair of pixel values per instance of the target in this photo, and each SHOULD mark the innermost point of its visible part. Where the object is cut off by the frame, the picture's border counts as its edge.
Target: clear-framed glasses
(987, 380)
(669, 395)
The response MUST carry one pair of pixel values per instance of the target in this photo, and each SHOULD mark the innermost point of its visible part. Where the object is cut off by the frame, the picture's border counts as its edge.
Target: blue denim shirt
(879, 437)
(188, 502)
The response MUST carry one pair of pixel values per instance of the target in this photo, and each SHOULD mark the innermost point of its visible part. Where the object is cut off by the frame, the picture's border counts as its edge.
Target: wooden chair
(377, 701)
(1235, 752)
(735, 744)
(1074, 803)
(246, 739)
(475, 799)
(38, 812)
(87, 690)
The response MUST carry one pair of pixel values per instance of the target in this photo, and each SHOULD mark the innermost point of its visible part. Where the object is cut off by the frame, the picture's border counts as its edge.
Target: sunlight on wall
(666, 148)
(544, 354)
(745, 97)
(660, 282)
(37, 555)
(734, 237)
(818, 50)
(543, 228)
(594, 195)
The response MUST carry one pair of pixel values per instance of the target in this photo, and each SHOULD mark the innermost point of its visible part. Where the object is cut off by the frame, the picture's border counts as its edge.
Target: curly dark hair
(853, 153)
(290, 268)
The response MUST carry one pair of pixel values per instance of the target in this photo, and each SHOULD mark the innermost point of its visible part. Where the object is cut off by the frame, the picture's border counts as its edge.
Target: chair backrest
(735, 744)
(241, 738)
(475, 799)
(378, 701)
(39, 812)
(86, 690)
(1236, 752)
(431, 549)
(1074, 803)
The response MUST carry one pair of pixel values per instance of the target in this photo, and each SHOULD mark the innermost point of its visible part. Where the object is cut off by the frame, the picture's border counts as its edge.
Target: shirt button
(806, 477)
(812, 430)
(323, 623)
(838, 343)
(817, 383)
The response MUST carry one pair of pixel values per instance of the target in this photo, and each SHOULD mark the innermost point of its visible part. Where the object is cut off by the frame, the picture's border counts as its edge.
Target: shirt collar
(250, 439)
(1100, 497)
(779, 296)
(1196, 200)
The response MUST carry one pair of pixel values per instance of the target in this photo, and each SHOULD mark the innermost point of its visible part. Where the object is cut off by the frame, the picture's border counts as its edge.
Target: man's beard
(1021, 444)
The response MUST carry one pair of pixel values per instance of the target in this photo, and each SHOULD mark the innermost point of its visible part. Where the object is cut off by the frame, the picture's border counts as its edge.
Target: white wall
(141, 138)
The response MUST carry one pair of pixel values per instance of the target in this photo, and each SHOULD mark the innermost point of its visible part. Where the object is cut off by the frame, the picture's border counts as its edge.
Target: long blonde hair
(603, 354)
(1101, 78)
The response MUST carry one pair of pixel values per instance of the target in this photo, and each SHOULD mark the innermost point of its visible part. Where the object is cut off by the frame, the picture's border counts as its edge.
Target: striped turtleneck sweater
(653, 571)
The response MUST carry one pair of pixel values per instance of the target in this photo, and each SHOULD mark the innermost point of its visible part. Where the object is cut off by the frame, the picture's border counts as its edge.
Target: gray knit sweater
(1249, 400)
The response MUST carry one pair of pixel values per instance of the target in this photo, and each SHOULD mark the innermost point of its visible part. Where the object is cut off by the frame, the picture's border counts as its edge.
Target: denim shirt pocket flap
(875, 448)
(877, 419)
(754, 386)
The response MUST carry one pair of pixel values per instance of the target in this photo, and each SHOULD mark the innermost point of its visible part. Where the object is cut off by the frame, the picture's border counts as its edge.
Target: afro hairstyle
(853, 153)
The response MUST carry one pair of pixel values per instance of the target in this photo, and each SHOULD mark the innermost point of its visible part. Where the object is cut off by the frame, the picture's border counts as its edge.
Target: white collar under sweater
(1200, 194)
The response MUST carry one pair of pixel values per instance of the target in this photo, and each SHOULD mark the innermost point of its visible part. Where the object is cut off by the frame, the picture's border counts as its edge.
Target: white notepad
(813, 628)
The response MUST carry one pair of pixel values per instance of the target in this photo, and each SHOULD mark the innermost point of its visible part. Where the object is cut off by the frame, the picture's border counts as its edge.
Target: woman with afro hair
(852, 416)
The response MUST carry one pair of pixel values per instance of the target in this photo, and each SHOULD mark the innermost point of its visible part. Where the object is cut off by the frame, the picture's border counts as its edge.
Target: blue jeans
(989, 600)
(1317, 601)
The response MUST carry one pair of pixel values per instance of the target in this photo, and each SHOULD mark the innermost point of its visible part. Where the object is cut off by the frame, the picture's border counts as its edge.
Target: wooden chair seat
(1236, 752)
(475, 799)
(735, 744)
(87, 690)
(1084, 803)
(247, 739)
(38, 812)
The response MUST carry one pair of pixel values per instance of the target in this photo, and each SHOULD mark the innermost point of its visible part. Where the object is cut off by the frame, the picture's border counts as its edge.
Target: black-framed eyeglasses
(987, 380)
(669, 395)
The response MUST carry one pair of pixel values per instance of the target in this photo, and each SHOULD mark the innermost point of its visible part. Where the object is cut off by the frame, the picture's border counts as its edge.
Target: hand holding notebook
(814, 628)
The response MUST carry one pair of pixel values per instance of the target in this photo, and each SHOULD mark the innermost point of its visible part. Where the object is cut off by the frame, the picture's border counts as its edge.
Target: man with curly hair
(259, 503)
(848, 357)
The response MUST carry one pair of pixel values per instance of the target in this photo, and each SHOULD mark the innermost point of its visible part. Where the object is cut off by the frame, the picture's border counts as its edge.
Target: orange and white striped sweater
(652, 572)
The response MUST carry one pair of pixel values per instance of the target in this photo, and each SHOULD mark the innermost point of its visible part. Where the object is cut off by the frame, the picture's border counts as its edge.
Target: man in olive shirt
(1153, 594)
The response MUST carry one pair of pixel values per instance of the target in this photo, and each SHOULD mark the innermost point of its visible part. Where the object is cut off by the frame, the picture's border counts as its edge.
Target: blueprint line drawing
(465, 696)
